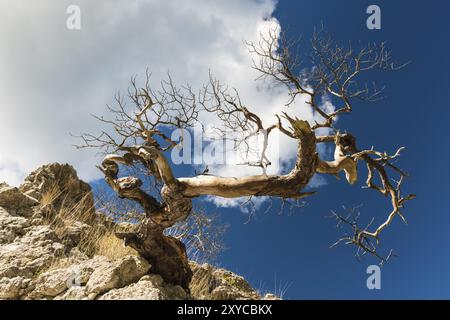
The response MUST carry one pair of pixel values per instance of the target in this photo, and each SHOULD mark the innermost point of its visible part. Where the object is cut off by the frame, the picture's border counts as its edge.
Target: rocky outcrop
(149, 287)
(61, 182)
(41, 256)
(15, 201)
(116, 274)
(30, 254)
(11, 226)
(88, 278)
(209, 283)
(14, 288)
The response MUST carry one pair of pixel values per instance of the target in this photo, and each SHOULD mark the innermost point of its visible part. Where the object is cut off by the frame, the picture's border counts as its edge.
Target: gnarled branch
(139, 139)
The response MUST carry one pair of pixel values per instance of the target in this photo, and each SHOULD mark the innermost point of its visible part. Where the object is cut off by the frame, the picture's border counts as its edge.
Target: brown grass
(98, 240)
(112, 247)
(50, 195)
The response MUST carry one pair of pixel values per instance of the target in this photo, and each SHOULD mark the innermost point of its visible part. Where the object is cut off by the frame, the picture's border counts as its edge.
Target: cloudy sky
(53, 78)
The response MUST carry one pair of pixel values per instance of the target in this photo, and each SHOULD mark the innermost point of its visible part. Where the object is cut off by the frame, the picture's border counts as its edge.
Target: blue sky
(71, 74)
(282, 250)
(290, 251)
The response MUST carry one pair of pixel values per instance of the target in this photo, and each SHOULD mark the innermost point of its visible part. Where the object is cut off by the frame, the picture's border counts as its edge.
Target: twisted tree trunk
(335, 73)
(167, 254)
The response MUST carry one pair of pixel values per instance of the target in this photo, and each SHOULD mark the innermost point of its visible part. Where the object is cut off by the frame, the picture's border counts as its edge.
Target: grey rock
(28, 255)
(11, 226)
(15, 202)
(63, 181)
(149, 287)
(14, 288)
(74, 293)
(210, 283)
(116, 274)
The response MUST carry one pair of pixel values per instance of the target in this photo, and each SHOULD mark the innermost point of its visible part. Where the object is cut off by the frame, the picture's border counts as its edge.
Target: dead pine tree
(137, 140)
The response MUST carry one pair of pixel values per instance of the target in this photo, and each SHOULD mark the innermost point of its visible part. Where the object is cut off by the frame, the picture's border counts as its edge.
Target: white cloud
(52, 78)
(245, 204)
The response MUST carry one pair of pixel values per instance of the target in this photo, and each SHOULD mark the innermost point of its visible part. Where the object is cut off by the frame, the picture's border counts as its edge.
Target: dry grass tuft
(50, 196)
(112, 247)
(99, 239)
(59, 264)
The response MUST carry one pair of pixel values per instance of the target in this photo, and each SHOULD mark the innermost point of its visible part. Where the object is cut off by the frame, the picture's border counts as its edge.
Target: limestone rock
(61, 180)
(30, 254)
(13, 288)
(209, 283)
(270, 296)
(149, 287)
(11, 226)
(15, 201)
(55, 282)
(82, 272)
(75, 231)
(74, 293)
(117, 274)
(50, 284)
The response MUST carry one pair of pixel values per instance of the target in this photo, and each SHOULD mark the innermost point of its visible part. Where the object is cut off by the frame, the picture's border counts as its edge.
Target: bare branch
(139, 136)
